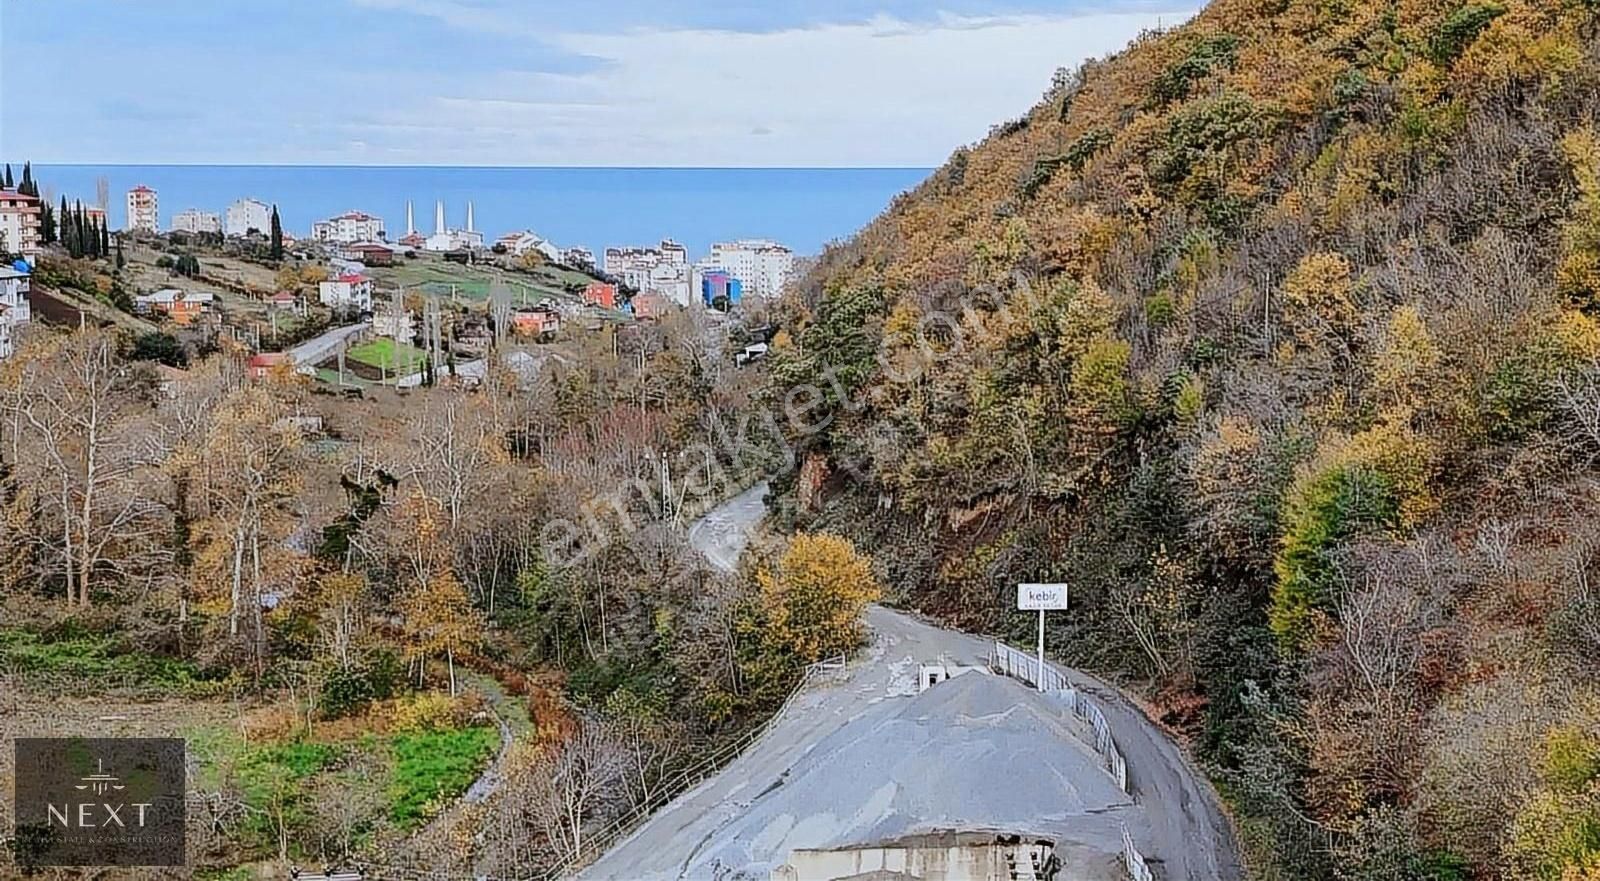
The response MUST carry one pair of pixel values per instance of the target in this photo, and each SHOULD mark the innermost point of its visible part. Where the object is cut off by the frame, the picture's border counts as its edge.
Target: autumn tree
(815, 595)
(440, 620)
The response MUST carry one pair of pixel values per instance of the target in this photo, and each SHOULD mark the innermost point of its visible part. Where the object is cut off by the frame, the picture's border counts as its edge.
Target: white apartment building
(245, 215)
(763, 267)
(143, 213)
(349, 291)
(14, 308)
(349, 228)
(664, 269)
(21, 217)
(195, 220)
(578, 258)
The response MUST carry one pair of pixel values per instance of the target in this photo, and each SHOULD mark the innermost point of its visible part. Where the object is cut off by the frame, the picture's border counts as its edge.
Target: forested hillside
(1276, 336)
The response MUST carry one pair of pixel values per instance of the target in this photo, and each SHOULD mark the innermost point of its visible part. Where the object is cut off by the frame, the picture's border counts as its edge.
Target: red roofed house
(368, 253)
(535, 322)
(263, 365)
(599, 293)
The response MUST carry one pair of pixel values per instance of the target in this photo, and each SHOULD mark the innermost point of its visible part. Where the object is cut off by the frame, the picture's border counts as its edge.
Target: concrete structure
(196, 221)
(762, 267)
(182, 307)
(21, 221)
(350, 227)
(15, 310)
(945, 856)
(519, 243)
(246, 215)
(144, 214)
(349, 291)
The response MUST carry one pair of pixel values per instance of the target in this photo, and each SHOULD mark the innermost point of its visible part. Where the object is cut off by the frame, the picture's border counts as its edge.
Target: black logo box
(98, 801)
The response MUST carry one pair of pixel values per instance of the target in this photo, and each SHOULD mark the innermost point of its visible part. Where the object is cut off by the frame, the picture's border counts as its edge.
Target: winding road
(742, 822)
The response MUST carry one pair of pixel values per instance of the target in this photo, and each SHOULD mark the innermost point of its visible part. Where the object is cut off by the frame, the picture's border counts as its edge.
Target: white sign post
(1042, 597)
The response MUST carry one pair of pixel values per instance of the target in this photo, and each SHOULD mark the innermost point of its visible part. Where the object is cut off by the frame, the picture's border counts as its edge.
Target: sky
(526, 82)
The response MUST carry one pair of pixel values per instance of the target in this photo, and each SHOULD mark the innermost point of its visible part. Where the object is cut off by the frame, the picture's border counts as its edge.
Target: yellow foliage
(422, 711)
(1408, 357)
(1317, 299)
(815, 596)
(1578, 335)
(1578, 277)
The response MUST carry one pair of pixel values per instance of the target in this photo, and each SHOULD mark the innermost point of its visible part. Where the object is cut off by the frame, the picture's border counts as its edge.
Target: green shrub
(1459, 29)
(1207, 54)
(1571, 760)
(1086, 147)
(92, 660)
(1319, 516)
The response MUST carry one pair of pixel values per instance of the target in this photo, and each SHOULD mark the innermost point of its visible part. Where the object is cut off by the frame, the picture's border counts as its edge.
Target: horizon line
(46, 164)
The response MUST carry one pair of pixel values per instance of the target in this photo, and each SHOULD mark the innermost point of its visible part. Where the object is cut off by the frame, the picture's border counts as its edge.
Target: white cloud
(882, 92)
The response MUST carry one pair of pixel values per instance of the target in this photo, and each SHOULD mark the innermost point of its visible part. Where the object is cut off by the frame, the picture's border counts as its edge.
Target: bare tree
(571, 783)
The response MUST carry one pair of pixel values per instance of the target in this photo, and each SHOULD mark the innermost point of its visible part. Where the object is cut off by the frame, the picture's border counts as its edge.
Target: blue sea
(593, 207)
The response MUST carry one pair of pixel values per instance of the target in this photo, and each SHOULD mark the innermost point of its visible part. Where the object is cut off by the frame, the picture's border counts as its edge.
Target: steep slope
(1275, 335)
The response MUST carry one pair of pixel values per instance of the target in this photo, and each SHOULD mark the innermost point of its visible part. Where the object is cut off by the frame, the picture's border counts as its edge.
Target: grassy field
(441, 278)
(385, 354)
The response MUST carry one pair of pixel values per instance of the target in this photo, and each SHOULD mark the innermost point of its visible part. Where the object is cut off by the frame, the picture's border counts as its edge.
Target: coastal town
(352, 302)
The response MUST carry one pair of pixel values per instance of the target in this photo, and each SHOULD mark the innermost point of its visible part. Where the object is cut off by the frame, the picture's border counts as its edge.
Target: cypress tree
(47, 223)
(9, 183)
(105, 241)
(277, 235)
(28, 186)
(120, 262)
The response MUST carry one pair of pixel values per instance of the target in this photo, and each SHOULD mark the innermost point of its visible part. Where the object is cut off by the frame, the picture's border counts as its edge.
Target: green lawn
(388, 355)
(439, 277)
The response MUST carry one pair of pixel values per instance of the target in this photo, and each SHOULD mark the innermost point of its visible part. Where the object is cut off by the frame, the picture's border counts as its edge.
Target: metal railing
(1023, 666)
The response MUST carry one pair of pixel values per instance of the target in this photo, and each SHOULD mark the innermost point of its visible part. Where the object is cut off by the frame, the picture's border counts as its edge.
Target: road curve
(1181, 828)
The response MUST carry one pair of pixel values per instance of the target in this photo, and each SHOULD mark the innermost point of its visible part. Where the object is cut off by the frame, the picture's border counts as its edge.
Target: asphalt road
(1176, 819)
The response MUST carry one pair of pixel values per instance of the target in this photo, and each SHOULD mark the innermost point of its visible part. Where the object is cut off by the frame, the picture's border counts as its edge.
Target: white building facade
(446, 239)
(21, 218)
(519, 243)
(664, 269)
(347, 292)
(144, 214)
(14, 308)
(245, 215)
(763, 267)
(348, 228)
(196, 221)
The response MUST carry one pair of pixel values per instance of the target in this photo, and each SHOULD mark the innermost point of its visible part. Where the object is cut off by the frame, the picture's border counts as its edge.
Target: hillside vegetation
(1276, 336)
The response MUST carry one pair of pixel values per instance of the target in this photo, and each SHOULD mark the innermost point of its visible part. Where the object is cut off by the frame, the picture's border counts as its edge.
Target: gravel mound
(977, 753)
